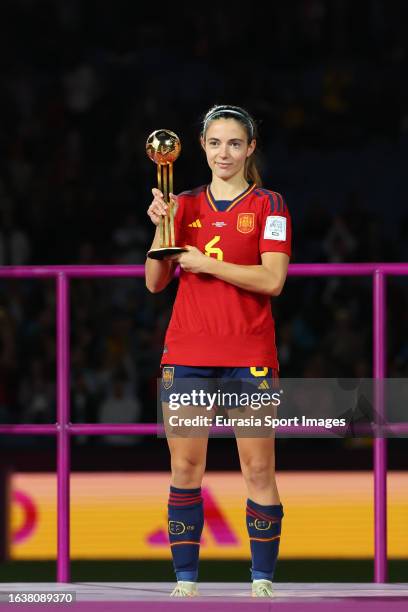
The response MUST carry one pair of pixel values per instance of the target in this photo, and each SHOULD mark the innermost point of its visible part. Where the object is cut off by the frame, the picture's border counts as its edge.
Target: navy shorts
(177, 379)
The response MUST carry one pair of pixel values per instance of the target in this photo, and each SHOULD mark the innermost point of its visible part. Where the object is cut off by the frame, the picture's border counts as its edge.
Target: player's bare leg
(188, 459)
(188, 447)
(257, 460)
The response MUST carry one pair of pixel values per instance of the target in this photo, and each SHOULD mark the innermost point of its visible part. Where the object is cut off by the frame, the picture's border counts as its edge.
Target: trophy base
(165, 252)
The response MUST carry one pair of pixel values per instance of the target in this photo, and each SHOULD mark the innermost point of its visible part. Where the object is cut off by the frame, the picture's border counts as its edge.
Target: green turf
(305, 570)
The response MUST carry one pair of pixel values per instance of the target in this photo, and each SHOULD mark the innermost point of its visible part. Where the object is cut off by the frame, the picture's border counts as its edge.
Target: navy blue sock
(264, 528)
(186, 520)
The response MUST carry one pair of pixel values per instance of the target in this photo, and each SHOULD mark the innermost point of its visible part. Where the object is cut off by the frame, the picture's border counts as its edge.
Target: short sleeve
(276, 225)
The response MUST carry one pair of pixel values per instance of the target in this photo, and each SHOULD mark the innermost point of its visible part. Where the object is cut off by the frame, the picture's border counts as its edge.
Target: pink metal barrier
(63, 429)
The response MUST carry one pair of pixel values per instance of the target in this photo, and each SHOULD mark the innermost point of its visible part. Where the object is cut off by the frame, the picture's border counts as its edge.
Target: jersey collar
(234, 202)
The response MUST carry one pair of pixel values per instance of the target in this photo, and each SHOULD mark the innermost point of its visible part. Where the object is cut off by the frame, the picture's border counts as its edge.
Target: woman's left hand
(192, 260)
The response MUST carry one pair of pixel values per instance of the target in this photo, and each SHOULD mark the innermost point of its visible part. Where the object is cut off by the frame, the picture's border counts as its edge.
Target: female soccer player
(238, 240)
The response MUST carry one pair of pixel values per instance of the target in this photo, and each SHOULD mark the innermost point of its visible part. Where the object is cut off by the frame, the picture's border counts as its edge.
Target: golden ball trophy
(163, 147)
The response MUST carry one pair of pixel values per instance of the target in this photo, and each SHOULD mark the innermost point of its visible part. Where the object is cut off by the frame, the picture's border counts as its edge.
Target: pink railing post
(63, 435)
(380, 441)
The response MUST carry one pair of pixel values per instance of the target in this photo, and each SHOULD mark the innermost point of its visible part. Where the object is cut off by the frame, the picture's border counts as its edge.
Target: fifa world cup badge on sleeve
(275, 228)
(167, 376)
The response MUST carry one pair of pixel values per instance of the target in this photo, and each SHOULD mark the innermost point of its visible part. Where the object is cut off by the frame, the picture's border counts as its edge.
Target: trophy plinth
(164, 252)
(163, 147)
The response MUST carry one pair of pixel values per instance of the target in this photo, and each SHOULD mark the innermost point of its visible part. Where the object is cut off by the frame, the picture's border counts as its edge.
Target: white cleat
(185, 588)
(262, 588)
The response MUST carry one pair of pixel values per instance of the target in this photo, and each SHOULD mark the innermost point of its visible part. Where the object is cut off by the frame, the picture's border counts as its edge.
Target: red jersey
(215, 323)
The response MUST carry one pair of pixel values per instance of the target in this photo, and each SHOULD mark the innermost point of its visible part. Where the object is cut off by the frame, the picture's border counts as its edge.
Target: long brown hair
(224, 111)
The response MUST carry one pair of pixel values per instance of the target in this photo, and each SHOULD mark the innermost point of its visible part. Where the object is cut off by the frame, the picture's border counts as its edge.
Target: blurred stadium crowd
(84, 83)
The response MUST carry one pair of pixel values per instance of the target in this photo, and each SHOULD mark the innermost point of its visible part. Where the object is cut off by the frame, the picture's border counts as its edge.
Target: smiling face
(225, 143)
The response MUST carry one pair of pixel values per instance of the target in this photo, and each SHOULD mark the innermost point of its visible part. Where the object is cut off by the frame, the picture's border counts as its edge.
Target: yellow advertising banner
(124, 515)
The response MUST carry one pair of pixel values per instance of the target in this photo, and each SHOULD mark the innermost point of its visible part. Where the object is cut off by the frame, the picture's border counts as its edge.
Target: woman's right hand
(158, 208)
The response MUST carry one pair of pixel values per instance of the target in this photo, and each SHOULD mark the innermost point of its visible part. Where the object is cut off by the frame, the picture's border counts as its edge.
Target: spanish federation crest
(167, 376)
(245, 222)
(262, 525)
(176, 527)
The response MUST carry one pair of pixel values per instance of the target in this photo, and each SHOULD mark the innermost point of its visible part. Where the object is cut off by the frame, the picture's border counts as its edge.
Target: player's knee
(186, 469)
(258, 472)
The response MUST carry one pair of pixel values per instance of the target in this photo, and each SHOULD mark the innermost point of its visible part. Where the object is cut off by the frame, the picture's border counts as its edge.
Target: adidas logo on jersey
(264, 385)
(196, 223)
